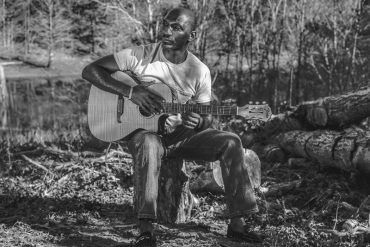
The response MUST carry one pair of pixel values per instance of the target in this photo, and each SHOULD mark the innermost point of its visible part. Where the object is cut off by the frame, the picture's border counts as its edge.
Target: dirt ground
(58, 194)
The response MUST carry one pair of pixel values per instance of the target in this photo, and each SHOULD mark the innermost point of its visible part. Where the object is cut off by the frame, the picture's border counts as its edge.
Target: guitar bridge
(120, 105)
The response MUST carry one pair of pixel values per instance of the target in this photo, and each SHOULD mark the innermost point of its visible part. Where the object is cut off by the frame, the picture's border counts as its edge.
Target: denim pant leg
(147, 151)
(212, 145)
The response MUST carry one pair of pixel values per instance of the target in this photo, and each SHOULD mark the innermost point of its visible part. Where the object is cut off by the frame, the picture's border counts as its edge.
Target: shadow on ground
(72, 221)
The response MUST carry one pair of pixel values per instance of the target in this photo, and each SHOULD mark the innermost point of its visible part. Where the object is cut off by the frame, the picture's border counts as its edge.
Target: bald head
(187, 14)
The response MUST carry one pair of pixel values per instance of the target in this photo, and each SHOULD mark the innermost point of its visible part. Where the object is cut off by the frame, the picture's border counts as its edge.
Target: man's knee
(232, 141)
(149, 138)
(146, 140)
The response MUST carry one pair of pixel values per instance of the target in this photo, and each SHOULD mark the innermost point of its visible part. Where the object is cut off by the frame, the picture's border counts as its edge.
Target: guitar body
(111, 118)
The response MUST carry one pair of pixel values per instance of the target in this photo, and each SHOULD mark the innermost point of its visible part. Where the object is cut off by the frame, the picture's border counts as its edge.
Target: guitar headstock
(261, 112)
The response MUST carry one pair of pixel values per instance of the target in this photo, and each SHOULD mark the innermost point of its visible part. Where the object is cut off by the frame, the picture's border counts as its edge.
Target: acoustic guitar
(111, 118)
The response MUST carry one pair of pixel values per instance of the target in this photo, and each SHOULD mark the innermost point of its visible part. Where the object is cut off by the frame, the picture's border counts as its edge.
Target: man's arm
(99, 74)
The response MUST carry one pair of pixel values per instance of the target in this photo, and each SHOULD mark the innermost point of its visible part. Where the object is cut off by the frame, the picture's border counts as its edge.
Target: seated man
(171, 63)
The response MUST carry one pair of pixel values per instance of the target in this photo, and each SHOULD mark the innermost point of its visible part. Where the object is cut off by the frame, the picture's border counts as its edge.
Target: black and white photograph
(184, 123)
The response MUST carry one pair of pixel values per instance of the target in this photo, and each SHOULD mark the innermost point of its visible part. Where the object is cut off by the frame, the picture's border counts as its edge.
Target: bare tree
(50, 26)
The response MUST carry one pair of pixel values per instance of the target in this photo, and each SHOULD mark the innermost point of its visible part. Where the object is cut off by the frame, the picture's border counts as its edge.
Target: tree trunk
(3, 19)
(330, 112)
(336, 112)
(51, 34)
(174, 197)
(278, 124)
(348, 150)
(270, 152)
(4, 98)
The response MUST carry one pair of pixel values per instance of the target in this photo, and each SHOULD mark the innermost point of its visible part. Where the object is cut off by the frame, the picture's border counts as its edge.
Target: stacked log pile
(331, 131)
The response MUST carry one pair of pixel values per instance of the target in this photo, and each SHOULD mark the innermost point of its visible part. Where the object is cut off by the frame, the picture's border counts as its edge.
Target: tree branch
(122, 10)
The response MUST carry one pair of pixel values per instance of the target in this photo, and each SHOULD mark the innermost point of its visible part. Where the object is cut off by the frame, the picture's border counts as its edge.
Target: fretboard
(200, 109)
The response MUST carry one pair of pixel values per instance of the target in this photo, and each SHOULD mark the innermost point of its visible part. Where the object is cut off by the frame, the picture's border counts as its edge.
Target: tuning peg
(250, 102)
(257, 103)
(264, 102)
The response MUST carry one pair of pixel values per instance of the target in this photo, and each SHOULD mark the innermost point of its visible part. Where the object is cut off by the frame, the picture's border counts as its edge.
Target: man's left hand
(191, 120)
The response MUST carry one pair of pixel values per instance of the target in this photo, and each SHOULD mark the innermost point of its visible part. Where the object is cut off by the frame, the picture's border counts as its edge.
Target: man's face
(176, 30)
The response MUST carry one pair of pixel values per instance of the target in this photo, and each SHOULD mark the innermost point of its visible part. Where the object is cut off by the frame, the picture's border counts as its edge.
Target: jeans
(148, 149)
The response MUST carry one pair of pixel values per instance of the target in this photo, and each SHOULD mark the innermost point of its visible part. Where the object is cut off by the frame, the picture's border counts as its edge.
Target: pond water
(58, 104)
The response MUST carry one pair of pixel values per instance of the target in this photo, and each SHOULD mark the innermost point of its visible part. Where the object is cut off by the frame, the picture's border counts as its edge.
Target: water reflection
(47, 104)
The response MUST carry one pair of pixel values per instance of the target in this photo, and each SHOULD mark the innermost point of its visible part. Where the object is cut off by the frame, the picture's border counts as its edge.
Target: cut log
(210, 180)
(348, 150)
(278, 124)
(336, 111)
(270, 152)
(174, 197)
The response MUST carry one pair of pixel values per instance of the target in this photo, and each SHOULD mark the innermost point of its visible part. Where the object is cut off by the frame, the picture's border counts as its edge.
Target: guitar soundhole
(144, 113)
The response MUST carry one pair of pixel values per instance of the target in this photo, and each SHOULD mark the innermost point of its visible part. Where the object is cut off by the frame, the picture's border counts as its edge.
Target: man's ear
(192, 36)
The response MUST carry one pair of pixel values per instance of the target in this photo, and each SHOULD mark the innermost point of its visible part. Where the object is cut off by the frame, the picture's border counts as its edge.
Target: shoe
(146, 239)
(245, 236)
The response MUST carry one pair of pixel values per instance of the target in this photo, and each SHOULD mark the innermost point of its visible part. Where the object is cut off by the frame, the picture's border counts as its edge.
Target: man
(189, 79)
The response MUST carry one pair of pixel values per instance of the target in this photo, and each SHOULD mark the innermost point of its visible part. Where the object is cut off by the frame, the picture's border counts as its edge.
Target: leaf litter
(63, 195)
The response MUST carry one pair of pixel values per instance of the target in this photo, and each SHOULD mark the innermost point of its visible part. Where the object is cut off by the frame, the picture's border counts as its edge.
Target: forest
(307, 59)
(269, 50)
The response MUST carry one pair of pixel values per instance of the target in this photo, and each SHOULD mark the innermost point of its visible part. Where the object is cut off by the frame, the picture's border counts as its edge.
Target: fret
(169, 107)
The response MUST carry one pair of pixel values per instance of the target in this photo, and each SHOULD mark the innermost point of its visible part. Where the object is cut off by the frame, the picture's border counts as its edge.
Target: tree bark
(270, 152)
(336, 112)
(278, 124)
(348, 150)
(174, 197)
(211, 180)
(4, 98)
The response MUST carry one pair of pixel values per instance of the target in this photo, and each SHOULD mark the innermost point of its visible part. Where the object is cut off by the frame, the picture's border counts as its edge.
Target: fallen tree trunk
(270, 152)
(278, 123)
(348, 150)
(335, 112)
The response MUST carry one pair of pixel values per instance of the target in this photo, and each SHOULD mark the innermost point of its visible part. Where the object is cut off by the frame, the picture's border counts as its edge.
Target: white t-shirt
(190, 79)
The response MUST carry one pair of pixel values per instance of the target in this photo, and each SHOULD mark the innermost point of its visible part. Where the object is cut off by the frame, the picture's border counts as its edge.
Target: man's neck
(175, 56)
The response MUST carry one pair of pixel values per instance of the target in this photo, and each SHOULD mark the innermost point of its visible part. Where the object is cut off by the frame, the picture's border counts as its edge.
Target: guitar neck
(200, 109)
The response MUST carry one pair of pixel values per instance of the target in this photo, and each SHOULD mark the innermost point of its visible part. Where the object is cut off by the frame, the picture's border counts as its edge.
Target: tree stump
(210, 179)
(174, 197)
(175, 200)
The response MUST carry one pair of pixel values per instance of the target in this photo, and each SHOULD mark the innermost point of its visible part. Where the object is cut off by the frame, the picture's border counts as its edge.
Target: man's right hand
(148, 101)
